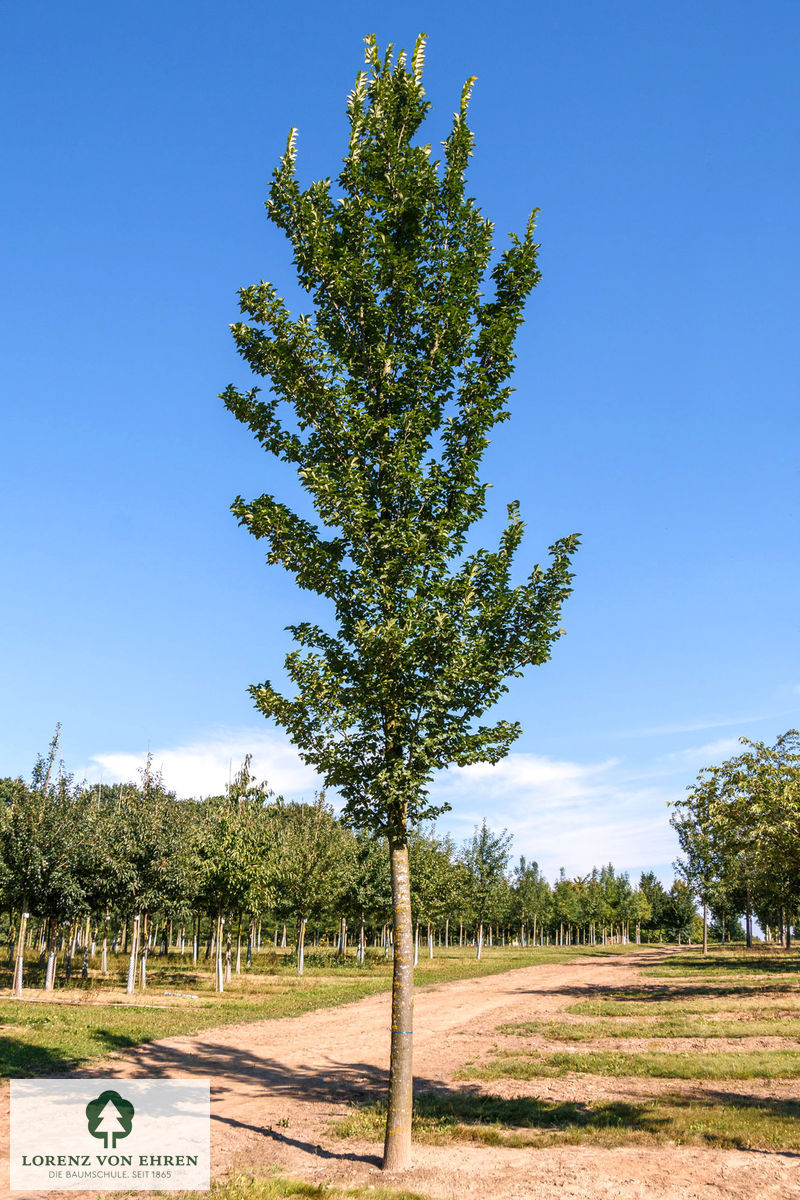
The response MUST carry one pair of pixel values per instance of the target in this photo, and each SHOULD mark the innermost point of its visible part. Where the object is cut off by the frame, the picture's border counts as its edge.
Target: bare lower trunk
(20, 957)
(132, 959)
(301, 942)
(705, 929)
(220, 968)
(748, 921)
(104, 955)
(50, 970)
(397, 1146)
(144, 934)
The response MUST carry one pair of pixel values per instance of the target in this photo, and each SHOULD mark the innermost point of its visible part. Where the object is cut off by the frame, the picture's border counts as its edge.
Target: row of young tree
(131, 868)
(739, 831)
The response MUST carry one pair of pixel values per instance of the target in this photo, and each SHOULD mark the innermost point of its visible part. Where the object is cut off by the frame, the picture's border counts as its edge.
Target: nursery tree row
(133, 868)
(739, 830)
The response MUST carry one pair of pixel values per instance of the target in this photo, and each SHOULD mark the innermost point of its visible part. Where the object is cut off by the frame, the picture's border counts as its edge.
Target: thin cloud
(699, 726)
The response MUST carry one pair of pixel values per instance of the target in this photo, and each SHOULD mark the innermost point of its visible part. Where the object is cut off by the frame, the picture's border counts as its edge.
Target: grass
(703, 1026)
(754, 1004)
(280, 1187)
(729, 962)
(51, 1037)
(528, 1121)
(745, 1064)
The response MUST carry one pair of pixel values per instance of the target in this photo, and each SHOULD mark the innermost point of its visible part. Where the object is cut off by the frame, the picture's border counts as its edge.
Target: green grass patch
(39, 1037)
(279, 1187)
(462, 1116)
(773, 1025)
(737, 962)
(752, 1003)
(749, 1064)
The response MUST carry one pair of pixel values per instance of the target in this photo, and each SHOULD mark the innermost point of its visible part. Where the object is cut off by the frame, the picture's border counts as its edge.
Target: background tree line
(131, 869)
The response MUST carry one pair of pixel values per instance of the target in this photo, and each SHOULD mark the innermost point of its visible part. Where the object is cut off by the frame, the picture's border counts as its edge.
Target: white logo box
(110, 1134)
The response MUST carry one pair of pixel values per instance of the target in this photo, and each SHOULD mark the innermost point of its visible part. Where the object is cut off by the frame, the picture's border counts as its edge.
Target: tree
(235, 852)
(739, 827)
(42, 843)
(681, 911)
(653, 890)
(314, 856)
(395, 380)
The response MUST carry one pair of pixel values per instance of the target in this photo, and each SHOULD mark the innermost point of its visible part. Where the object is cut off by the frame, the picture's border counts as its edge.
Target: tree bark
(144, 934)
(50, 969)
(748, 921)
(705, 928)
(104, 955)
(301, 940)
(132, 959)
(20, 957)
(397, 1144)
(220, 970)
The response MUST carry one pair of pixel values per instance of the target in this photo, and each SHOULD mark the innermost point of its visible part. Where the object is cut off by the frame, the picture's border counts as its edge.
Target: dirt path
(276, 1084)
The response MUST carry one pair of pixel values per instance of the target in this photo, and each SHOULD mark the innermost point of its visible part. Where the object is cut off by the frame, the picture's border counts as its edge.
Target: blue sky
(655, 410)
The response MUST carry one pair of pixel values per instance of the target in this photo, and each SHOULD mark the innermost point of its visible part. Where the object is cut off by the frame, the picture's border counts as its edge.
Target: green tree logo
(109, 1116)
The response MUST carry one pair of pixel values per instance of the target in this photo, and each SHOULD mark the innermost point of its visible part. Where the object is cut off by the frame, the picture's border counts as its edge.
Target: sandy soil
(277, 1084)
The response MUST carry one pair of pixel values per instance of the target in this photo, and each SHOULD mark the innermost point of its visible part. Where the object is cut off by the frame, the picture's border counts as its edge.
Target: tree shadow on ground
(21, 1060)
(686, 990)
(454, 1116)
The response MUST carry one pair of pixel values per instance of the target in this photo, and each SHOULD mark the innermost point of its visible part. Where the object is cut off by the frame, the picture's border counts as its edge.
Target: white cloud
(203, 767)
(711, 754)
(562, 813)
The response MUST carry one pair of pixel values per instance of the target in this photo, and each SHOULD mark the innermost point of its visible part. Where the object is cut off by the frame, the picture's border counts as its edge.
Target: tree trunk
(480, 941)
(86, 935)
(132, 959)
(104, 955)
(705, 928)
(145, 938)
(397, 1144)
(16, 986)
(220, 972)
(12, 938)
(748, 921)
(50, 970)
(301, 941)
